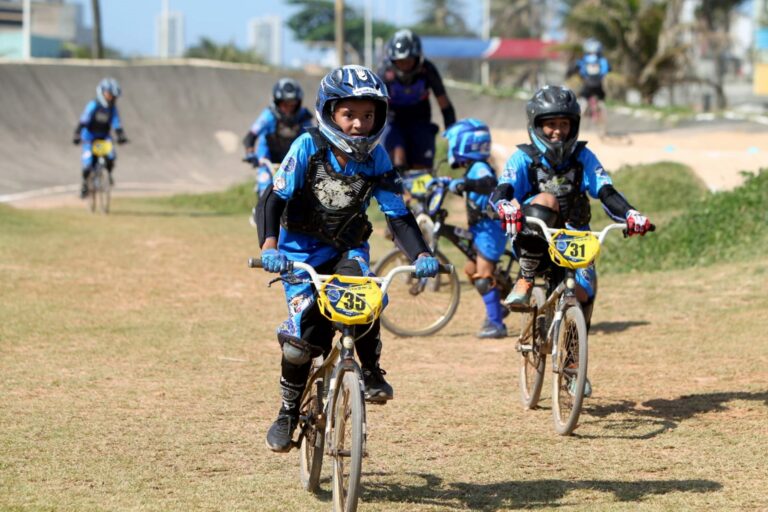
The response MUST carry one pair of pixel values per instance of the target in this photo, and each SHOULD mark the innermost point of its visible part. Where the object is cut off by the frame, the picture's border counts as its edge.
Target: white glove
(511, 217)
(637, 223)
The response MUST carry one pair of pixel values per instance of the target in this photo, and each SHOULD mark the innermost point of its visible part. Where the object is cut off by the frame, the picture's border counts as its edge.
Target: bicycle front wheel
(104, 193)
(418, 307)
(347, 442)
(571, 371)
(313, 441)
(533, 354)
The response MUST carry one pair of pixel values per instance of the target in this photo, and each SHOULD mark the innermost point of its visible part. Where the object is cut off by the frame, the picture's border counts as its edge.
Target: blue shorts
(489, 240)
(417, 138)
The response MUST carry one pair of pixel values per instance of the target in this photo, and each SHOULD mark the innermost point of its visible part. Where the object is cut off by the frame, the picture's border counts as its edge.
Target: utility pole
(339, 28)
(26, 29)
(97, 50)
(368, 34)
(485, 72)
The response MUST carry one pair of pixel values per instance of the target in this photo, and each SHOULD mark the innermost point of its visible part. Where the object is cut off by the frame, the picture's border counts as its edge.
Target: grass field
(139, 371)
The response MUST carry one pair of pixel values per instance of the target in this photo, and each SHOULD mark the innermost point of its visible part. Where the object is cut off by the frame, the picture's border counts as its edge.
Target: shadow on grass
(612, 327)
(522, 494)
(660, 415)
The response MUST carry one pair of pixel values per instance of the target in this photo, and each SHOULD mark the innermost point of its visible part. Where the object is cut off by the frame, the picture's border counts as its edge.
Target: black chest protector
(101, 121)
(286, 131)
(564, 184)
(330, 206)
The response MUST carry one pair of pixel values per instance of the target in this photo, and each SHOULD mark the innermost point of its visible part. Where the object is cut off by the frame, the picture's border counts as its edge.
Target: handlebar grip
(445, 268)
(255, 263)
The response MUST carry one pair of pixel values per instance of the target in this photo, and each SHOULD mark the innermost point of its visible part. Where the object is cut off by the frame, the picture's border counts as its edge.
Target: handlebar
(599, 234)
(318, 279)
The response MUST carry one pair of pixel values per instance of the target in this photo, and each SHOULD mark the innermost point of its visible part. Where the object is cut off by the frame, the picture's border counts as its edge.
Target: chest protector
(330, 206)
(286, 131)
(101, 121)
(564, 184)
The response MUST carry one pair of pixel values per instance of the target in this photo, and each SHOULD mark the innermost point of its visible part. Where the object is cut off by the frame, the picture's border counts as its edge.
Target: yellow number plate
(350, 300)
(573, 249)
(101, 148)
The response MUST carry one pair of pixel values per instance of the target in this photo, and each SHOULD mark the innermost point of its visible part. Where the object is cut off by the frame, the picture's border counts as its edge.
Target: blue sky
(129, 25)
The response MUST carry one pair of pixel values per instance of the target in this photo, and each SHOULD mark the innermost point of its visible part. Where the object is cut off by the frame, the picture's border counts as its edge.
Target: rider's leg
(586, 292)
(110, 164)
(531, 248)
(485, 284)
(86, 164)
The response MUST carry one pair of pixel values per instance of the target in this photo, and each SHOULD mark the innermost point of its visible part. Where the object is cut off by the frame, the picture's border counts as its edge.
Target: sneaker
(492, 331)
(520, 295)
(280, 434)
(587, 388)
(377, 389)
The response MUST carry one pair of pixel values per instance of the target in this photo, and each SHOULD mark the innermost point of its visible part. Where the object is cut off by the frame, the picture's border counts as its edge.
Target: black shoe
(490, 330)
(377, 389)
(279, 436)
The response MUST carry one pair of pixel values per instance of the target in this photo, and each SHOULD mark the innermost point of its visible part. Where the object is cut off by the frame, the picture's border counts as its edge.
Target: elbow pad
(249, 140)
(268, 212)
(503, 192)
(449, 116)
(408, 236)
(613, 202)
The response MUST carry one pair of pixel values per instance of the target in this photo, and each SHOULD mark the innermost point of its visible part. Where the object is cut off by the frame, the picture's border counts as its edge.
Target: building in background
(265, 37)
(169, 34)
(54, 24)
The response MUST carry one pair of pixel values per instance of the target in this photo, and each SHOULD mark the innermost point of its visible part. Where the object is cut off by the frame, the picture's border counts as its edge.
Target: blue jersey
(516, 173)
(275, 137)
(289, 180)
(593, 68)
(489, 239)
(98, 120)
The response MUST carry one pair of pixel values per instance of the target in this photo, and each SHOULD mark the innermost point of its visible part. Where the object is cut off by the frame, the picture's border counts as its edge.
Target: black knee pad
(109, 164)
(484, 285)
(550, 217)
(297, 351)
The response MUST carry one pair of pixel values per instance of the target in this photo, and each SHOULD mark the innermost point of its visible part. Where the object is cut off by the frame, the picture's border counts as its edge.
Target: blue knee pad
(587, 278)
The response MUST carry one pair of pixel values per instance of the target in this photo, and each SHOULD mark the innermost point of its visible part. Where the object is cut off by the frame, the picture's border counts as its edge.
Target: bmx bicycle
(555, 323)
(423, 307)
(98, 182)
(332, 408)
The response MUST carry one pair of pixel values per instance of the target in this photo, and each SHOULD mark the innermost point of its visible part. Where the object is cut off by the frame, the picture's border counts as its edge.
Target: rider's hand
(511, 217)
(457, 186)
(121, 138)
(637, 223)
(273, 261)
(426, 266)
(251, 158)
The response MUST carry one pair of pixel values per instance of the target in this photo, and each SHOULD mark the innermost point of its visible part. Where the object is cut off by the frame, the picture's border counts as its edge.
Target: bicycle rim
(313, 442)
(568, 384)
(347, 442)
(532, 351)
(413, 310)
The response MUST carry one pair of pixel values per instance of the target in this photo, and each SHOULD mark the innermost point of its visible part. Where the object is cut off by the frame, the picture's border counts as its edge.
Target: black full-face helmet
(404, 45)
(549, 102)
(286, 89)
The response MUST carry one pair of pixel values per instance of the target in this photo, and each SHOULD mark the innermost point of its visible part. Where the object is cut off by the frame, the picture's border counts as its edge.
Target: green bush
(660, 187)
(723, 227)
(235, 200)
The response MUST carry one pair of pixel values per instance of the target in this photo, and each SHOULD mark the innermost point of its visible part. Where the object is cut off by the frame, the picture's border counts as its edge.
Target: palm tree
(97, 50)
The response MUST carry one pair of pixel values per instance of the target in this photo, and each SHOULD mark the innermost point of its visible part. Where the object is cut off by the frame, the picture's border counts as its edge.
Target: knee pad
(109, 164)
(483, 285)
(548, 215)
(297, 351)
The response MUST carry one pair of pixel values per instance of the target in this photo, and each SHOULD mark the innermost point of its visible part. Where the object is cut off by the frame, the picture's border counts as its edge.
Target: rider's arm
(480, 179)
(435, 82)
(597, 182)
(268, 211)
(257, 128)
(117, 125)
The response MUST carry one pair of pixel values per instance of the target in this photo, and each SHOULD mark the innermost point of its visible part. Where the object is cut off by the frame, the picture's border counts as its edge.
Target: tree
(441, 17)
(315, 23)
(630, 31)
(208, 49)
(97, 49)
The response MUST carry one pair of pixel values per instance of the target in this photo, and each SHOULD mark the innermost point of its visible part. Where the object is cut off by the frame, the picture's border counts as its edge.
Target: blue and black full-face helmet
(111, 86)
(468, 140)
(287, 89)
(549, 102)
(351, 82)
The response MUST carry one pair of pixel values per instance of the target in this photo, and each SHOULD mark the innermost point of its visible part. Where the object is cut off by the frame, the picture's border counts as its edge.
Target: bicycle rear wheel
(418, 307)
(533, 350)
(347, 442)
(313, 442)
(571, 371)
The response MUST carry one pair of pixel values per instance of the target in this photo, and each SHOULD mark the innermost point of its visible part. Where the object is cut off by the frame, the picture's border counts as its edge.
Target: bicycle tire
(533, 360)
(568, 383)
(105, 193)
(313, 442)
(410, 309)
(347, 441)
